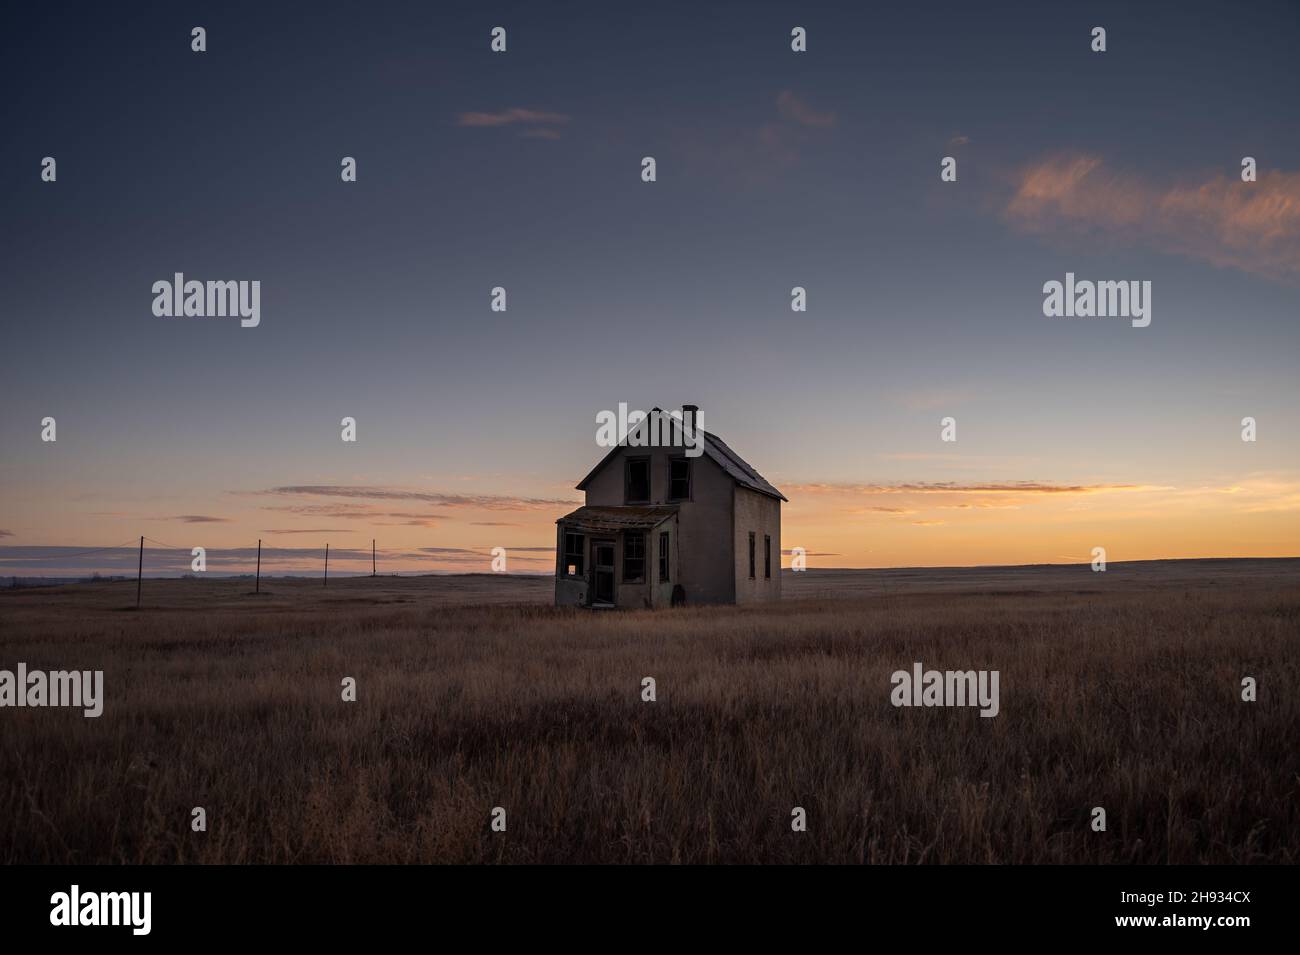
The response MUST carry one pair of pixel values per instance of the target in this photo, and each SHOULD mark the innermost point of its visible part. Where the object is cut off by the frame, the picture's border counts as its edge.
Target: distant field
(1119, 690)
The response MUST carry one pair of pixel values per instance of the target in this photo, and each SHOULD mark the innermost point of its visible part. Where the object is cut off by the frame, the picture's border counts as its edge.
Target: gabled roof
(736, 467)
(632, 516)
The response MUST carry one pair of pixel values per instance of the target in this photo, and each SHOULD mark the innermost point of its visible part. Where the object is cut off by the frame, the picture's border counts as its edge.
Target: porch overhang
(611, 519)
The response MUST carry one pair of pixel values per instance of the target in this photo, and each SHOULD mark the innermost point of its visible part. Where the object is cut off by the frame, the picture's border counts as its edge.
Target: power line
(98, 550)
(162, 544)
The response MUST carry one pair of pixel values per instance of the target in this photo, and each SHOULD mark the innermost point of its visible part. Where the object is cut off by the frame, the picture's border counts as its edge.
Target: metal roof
(738, 467)
(610, 518)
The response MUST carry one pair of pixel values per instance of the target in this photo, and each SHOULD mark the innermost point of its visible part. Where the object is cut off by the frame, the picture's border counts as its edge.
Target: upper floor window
(679, 479)
(636, 488)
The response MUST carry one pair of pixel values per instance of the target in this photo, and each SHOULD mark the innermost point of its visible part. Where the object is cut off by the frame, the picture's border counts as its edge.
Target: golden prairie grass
(1127, 698)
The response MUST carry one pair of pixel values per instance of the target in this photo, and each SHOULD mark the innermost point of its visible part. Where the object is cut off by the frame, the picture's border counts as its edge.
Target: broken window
(633, 557)
(679, 479)
(767, 555)
(751, 555)
(663, 558)
(573, 555)
(637, 488)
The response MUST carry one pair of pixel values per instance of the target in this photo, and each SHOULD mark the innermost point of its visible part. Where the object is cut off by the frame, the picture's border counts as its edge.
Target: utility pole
(139, 575)
(257, 587)
(327, 566)
(372, 557)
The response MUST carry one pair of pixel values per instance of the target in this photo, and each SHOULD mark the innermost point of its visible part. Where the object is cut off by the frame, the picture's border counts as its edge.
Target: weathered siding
(703, 545)
(761, 515)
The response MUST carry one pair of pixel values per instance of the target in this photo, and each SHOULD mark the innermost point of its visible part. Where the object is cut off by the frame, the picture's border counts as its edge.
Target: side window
(637, 484)
(573, 555)
(679, 479)
(663, 558)
(767, 555)
(633, 557)
(751, 555)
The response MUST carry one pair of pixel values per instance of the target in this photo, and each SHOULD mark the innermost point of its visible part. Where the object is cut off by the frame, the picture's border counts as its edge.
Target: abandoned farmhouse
(662, 528)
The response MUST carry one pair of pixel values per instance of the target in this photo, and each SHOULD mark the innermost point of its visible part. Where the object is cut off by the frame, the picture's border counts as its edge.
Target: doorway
(602, 572)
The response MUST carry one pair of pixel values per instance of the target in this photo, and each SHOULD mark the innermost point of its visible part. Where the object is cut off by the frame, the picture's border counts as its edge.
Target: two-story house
(662, 528)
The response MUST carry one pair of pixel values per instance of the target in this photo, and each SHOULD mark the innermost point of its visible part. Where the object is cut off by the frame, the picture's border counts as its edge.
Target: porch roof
(614, 518)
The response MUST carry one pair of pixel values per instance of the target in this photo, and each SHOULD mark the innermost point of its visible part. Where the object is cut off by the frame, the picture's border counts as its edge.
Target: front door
(602, 572)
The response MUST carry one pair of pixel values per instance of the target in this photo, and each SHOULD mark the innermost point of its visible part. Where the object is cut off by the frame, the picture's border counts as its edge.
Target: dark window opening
(633, 558)
(663, 558)
(637, 487)
(767, 556)
(573, 555)
(679, 479)
(751, 555)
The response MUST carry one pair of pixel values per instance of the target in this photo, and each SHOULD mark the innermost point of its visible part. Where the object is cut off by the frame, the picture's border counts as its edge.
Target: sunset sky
(522, 170)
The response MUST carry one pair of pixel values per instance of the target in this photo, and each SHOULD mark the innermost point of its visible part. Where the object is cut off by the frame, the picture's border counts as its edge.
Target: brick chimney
(689, 414)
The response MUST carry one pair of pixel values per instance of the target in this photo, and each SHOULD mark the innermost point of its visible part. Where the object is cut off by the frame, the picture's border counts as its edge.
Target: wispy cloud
(377, 493)
(795, 110)
(1254, 227)
(753, 155)
(197, 519)
(464, 556)
(979, 506)
(309, 530)
(352, 511)
(6, 533)
(954, 487)
(540, 123)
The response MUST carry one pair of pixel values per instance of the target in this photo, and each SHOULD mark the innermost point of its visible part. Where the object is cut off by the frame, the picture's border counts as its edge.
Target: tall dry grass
(1129, 700)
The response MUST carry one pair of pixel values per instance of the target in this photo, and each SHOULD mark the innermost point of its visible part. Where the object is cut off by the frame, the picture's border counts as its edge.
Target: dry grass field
(1119, 690)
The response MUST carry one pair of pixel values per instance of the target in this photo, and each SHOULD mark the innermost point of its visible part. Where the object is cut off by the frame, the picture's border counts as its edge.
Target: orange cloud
(508, 116)
(952, 487)
(354, 492)
(1251, 226)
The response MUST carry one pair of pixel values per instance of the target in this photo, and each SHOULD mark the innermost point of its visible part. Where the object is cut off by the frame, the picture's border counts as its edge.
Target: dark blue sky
(774, 169)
